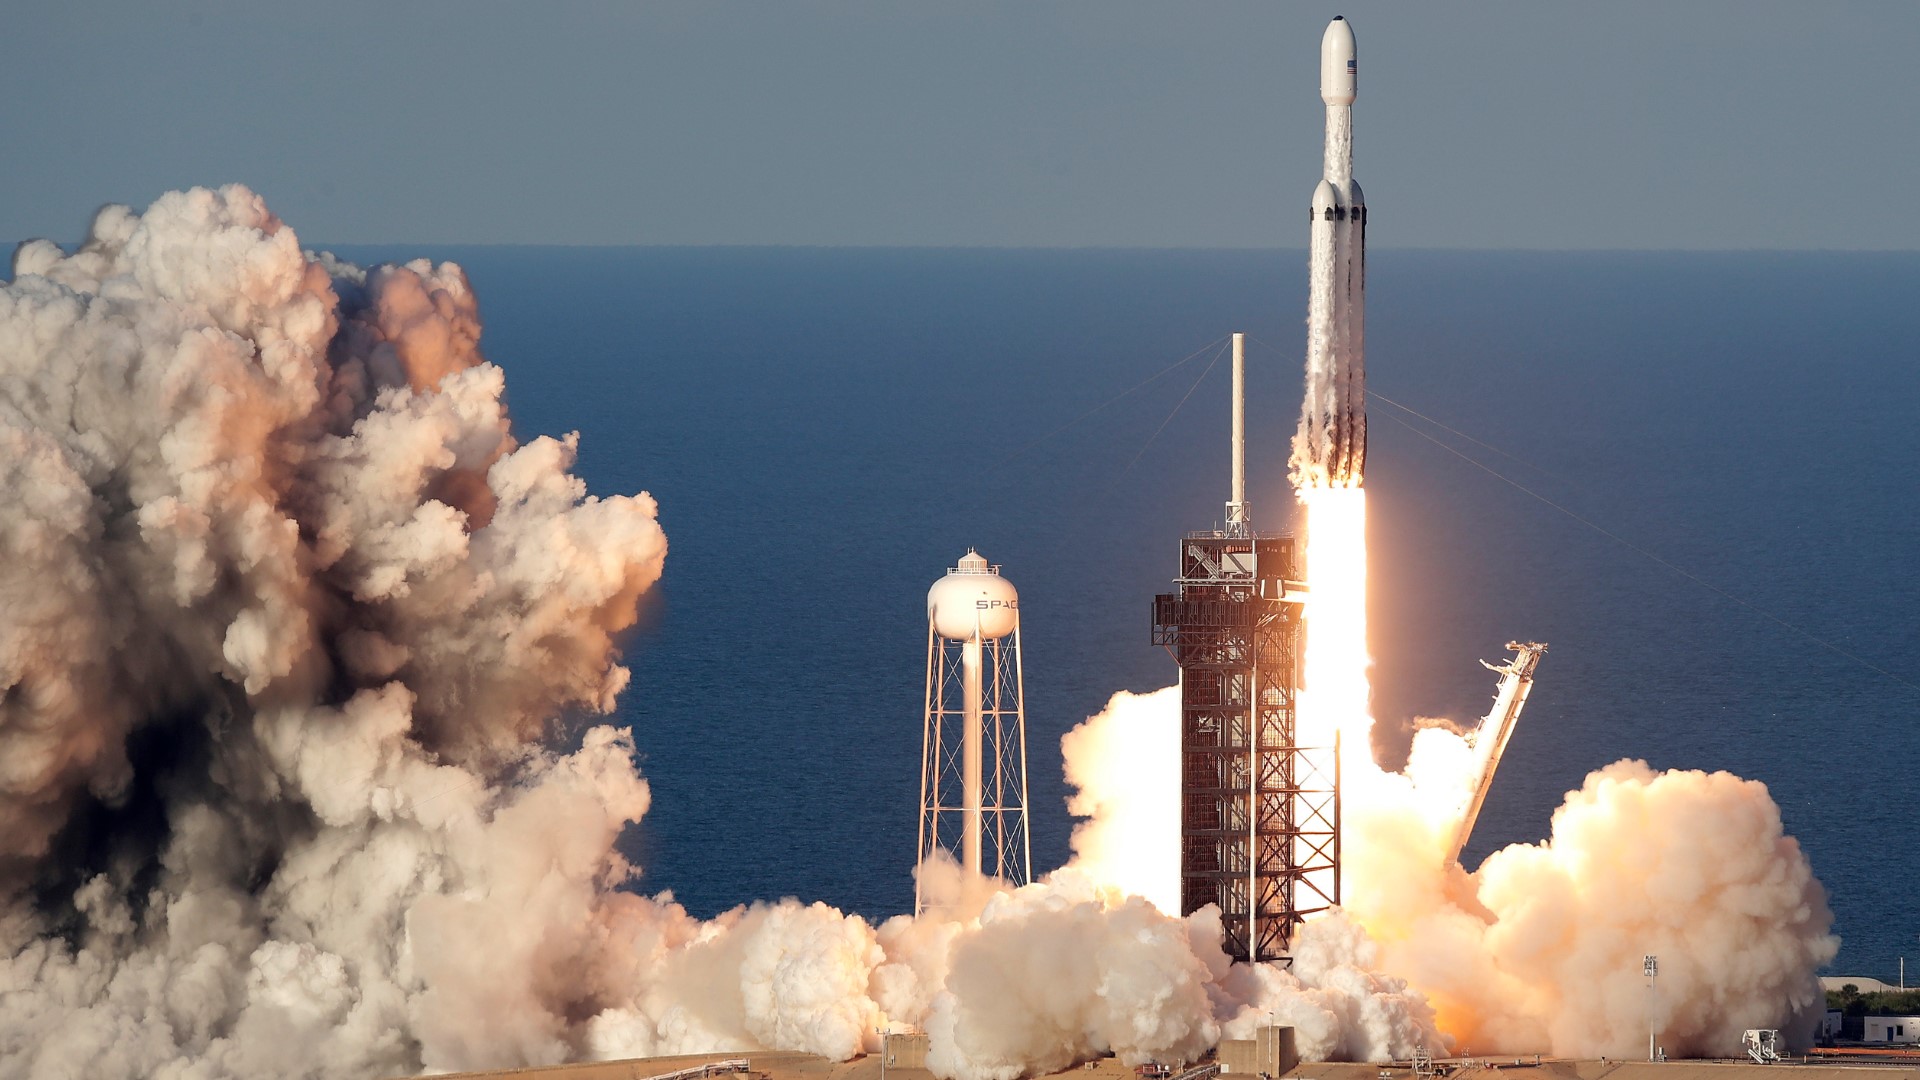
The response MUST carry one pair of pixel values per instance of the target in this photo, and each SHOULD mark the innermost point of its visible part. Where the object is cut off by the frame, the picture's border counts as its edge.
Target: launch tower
(1259, 814)
(973, 766)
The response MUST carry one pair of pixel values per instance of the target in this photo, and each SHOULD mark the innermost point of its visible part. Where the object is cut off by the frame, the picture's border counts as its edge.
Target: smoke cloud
(1539, 949)
(1123, 766)
(1541, 946)
(289, 784)
(291, 613)
(293, 623)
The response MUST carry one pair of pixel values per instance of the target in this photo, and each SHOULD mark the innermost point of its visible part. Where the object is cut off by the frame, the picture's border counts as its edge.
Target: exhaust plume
(1539, 949)
(1123, 764)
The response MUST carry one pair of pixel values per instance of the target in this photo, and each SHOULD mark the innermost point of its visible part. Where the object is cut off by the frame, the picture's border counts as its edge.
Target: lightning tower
(1259, 814)
(973, 765)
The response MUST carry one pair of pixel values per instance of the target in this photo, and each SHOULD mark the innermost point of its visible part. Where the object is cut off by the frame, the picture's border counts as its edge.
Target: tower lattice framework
(1259, 812)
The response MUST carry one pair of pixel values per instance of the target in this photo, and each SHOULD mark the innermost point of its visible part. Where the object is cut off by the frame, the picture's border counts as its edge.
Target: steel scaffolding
(1260, 814)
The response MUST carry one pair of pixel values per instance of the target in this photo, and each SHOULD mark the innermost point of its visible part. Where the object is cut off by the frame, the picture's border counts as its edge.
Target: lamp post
(1263, 1043)
(1650, 967)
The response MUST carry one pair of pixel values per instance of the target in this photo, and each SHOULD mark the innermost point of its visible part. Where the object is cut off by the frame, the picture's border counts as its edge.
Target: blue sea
(1717, 533)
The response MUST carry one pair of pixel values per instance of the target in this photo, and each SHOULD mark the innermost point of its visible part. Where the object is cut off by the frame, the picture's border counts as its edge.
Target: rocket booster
(1330, 449)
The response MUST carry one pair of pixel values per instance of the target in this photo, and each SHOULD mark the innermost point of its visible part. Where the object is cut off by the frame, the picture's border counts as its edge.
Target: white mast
(1237, 505)
(970, 752)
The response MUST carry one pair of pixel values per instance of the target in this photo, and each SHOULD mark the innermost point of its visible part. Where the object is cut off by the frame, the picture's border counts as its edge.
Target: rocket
(1330, 449)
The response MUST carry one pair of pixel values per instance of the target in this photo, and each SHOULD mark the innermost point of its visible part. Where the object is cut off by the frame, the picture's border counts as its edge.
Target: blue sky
(1704, 125)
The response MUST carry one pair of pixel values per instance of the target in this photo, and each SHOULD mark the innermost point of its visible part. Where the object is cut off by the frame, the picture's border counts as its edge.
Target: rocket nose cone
(1339, 72)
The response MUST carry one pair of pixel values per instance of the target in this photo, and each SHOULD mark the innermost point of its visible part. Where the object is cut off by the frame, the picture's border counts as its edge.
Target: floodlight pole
(1650, 967)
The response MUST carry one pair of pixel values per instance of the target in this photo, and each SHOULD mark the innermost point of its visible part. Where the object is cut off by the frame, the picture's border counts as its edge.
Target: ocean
(1692, 474)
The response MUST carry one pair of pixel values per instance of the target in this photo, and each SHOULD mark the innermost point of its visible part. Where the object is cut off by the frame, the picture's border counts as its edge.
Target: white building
(1892, 1029)
(1830, 1024)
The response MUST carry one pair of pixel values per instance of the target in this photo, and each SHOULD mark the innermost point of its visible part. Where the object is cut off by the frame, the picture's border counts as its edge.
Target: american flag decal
(1349, 65)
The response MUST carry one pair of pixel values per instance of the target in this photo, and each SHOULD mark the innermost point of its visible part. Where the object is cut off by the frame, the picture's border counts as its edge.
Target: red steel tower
(1259, 813)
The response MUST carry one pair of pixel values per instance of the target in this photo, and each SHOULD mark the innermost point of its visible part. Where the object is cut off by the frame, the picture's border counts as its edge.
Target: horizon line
(1171, 248)
(13, 245)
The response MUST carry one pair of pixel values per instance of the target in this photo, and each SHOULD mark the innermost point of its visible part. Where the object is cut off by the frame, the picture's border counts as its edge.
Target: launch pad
(1259, 811)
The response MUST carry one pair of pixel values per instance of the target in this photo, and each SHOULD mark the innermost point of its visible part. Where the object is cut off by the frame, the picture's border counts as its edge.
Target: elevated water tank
(973, 597)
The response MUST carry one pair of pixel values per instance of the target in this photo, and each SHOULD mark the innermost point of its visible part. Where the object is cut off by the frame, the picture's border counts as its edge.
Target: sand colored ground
(782, 1066)
(1498, 1069)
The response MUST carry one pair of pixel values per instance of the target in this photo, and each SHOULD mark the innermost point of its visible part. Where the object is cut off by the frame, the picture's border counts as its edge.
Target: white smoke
(294, 623)
(1539, 949)
(290, 613)
(293, 619)
(1541, 946)
(1123, 764)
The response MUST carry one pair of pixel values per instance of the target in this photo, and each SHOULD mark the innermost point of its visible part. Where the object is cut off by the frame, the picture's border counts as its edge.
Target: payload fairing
(1330, 449)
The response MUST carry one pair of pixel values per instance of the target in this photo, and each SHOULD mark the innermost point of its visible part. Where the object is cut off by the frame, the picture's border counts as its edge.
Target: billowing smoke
(1070, 968)
(1124, 762)
(289, 784)
(290, 613)
(1541, 946)
(1539, 949)
(1122, 765)
(294, 626)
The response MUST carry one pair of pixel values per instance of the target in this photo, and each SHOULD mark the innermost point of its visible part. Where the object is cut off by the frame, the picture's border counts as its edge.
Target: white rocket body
(1331, 447)
(1338, 75)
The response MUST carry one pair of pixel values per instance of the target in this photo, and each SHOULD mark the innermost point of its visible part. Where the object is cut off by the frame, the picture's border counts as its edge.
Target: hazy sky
(1639, 125)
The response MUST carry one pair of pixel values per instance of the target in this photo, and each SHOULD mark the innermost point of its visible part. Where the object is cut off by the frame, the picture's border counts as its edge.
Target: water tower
(973, 765)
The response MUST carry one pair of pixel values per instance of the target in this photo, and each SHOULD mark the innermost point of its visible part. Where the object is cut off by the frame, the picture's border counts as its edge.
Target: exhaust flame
(1335, 695)
(1539, 948)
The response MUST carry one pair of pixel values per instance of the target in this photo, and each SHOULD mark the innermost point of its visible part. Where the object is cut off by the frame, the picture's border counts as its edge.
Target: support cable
(1176, 409)
(1643, 552)
(1142, 384)
(1615, 537)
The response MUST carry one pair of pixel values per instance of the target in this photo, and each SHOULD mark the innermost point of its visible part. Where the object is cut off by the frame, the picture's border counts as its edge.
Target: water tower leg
(970, 756)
